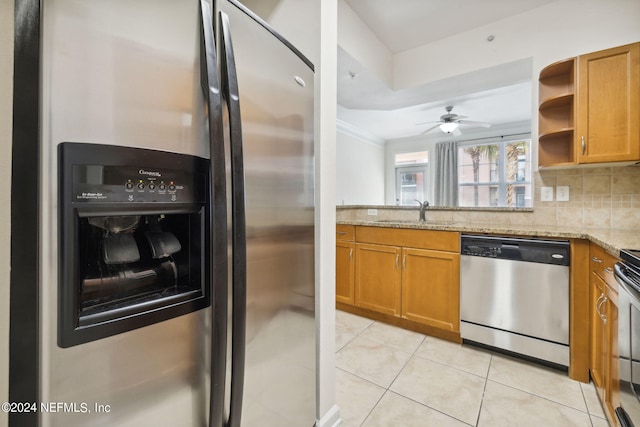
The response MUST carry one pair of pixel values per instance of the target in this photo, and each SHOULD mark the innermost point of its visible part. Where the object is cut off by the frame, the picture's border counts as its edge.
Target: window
(495, 174)
(412, 172)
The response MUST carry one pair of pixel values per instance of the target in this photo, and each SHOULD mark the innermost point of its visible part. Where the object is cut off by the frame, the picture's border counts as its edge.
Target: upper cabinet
(608, 101)
(590, 108)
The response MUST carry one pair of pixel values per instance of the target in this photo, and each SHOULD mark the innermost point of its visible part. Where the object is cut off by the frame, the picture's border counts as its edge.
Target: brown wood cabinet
(345, 263)
(412, 276)
(589, 109)
(604, 329)
(378, 278)
(608, 101)
(431, 288)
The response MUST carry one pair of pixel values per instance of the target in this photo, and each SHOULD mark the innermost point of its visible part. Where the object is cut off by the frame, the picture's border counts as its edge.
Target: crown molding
(356, 132)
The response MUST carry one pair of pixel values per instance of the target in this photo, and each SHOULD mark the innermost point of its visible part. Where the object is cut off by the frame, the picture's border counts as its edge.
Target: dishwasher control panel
(481, 250)
(530, 250)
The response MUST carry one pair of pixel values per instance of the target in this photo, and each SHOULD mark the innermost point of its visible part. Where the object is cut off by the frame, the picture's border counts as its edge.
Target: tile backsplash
(598, 197)
(602, 197)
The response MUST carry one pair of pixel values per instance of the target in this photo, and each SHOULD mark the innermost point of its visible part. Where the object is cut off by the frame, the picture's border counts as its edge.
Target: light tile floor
(388, 377)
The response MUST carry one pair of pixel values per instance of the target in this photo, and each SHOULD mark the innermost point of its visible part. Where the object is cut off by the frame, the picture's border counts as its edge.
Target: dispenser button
(152, 186)
(162, 186)
(128, 185)
(141, 186)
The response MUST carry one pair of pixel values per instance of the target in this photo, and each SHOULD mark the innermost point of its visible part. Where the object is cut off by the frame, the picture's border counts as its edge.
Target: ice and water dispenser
(134, 227)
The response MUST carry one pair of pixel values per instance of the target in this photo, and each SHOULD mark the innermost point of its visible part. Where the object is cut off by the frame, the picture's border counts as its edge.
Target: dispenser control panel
(146, 184)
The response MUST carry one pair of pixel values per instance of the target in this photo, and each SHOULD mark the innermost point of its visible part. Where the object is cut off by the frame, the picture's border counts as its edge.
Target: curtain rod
(495, 137)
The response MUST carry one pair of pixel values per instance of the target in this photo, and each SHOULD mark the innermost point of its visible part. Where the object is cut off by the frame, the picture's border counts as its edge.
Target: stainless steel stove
(627, 274)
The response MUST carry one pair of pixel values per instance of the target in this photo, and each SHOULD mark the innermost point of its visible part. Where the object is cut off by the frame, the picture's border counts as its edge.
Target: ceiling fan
(449, 123)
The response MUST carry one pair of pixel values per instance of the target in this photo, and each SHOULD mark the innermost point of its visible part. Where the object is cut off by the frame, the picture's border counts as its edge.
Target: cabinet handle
(602, 316)
(584, 145)
(341, 233)
(598, 305)
(350, 255)
(397, 259)
(594, 259)
(608, 270)
(404, 262)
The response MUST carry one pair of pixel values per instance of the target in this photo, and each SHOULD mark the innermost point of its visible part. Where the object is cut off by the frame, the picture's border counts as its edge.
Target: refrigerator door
(124, 73)
(274, 97)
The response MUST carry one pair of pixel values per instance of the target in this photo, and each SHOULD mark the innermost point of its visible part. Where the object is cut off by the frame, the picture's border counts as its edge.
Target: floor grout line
(484, 389)
(414, 353)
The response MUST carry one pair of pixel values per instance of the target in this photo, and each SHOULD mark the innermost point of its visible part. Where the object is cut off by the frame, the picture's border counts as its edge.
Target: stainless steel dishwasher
(514, 295)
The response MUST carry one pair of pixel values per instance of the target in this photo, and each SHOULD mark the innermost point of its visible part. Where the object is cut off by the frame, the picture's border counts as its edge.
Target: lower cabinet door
(430, 288)
(378, 278)
(345, 272)
(598, 334)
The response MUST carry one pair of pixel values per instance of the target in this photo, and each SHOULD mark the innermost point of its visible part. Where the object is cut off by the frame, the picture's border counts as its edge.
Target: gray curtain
(446, 168)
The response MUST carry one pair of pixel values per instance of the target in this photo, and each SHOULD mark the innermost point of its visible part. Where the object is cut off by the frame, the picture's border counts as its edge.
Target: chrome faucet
(423, 208)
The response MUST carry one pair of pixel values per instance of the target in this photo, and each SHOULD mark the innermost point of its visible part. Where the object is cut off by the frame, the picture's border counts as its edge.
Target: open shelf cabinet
(556, 114)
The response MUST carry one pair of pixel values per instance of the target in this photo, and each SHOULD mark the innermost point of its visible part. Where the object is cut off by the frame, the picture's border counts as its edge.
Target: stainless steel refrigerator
(162, 267)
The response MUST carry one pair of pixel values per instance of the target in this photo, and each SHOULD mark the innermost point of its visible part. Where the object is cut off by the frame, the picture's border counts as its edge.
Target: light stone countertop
(612, 240)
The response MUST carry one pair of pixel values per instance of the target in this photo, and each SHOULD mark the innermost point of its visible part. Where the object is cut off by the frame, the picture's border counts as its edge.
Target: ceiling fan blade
(426, 123)
(428, 130)
(471, 122)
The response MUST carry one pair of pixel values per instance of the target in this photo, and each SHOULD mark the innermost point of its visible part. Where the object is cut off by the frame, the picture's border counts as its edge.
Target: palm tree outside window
(495, 174)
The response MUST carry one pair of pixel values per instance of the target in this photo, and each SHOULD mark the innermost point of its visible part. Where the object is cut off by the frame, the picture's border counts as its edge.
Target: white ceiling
(497, 96)
(405, 24)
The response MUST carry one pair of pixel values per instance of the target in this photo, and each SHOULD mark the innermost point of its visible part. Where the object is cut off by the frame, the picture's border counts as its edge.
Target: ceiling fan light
(448, 127)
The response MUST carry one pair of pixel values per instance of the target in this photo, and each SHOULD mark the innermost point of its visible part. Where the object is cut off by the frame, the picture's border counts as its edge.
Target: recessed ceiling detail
(411, 23)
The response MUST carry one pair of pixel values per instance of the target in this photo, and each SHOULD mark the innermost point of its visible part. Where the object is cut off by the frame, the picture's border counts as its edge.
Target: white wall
(6, 90)
(554, 31)
(363, 45)
(550, 33)
(359, 170)
(328, 413)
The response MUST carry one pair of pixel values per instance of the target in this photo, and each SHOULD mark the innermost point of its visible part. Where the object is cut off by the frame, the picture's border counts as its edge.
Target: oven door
(629, 345)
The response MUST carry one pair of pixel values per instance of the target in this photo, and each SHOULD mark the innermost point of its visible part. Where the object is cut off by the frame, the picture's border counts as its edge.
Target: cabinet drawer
(607, 271)
(596, 261)
(345, 232)
(601, 263)
(448, 241)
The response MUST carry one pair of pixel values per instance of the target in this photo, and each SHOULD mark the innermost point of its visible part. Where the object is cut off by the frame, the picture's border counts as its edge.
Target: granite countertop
(612, 240)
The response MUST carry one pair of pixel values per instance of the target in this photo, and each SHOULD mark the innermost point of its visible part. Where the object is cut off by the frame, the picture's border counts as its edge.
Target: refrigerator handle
(239, 227)
(217, 218)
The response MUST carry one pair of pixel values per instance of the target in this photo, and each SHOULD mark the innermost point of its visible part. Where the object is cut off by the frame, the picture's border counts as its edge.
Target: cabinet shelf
(560, 68)
(555, 134)
(556, 149)
(561, 100)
